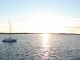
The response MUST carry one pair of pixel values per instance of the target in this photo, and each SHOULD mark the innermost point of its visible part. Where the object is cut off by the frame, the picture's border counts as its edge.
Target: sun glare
(48, 24)
(43, 23)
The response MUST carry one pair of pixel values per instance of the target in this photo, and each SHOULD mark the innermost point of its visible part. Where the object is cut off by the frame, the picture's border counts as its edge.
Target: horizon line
(42, 33)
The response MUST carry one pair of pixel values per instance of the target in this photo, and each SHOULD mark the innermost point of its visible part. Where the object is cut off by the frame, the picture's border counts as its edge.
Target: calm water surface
(41, 47)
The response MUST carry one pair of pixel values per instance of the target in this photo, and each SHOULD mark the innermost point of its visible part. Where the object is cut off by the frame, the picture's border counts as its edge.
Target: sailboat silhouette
(9, 39)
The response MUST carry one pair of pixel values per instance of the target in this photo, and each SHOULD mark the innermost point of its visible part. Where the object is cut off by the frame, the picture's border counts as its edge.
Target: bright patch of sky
(54, 16)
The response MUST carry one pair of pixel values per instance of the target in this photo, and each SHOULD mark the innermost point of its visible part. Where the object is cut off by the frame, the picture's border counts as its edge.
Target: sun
(48, 26)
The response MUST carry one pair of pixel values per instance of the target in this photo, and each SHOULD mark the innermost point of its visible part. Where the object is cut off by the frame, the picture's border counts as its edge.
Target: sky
(46, 16)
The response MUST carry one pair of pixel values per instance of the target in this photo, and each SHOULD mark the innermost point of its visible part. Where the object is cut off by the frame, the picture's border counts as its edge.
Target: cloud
(74, 27)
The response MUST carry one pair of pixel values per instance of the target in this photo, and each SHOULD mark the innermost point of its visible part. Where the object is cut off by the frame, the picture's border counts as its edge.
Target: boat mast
(10, 28)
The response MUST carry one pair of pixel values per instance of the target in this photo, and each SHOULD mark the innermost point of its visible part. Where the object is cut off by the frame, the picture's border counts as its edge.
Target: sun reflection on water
(45, 39)
(46, 47)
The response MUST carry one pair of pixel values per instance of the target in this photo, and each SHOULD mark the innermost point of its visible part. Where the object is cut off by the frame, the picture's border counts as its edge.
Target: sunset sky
(47, 16)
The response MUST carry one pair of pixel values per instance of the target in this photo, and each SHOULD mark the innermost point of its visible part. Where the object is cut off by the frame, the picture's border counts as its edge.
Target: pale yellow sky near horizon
(45, 23)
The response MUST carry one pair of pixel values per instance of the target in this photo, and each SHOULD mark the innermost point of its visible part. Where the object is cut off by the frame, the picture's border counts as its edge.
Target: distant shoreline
(44, 33)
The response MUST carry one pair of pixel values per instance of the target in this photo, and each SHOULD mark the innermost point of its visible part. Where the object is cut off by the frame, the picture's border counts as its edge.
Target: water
(41, 47)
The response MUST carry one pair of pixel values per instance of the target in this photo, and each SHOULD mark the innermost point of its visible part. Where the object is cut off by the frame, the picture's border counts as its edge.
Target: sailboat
(9, 39)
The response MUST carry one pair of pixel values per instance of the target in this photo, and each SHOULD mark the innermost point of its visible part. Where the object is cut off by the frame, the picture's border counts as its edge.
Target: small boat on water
(9, 39)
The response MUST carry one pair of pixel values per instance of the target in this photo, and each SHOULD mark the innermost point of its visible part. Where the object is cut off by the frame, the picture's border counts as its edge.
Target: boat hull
(9, 40)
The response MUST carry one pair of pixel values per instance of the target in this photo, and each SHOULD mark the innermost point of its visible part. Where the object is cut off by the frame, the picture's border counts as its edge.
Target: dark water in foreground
(41, 47)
